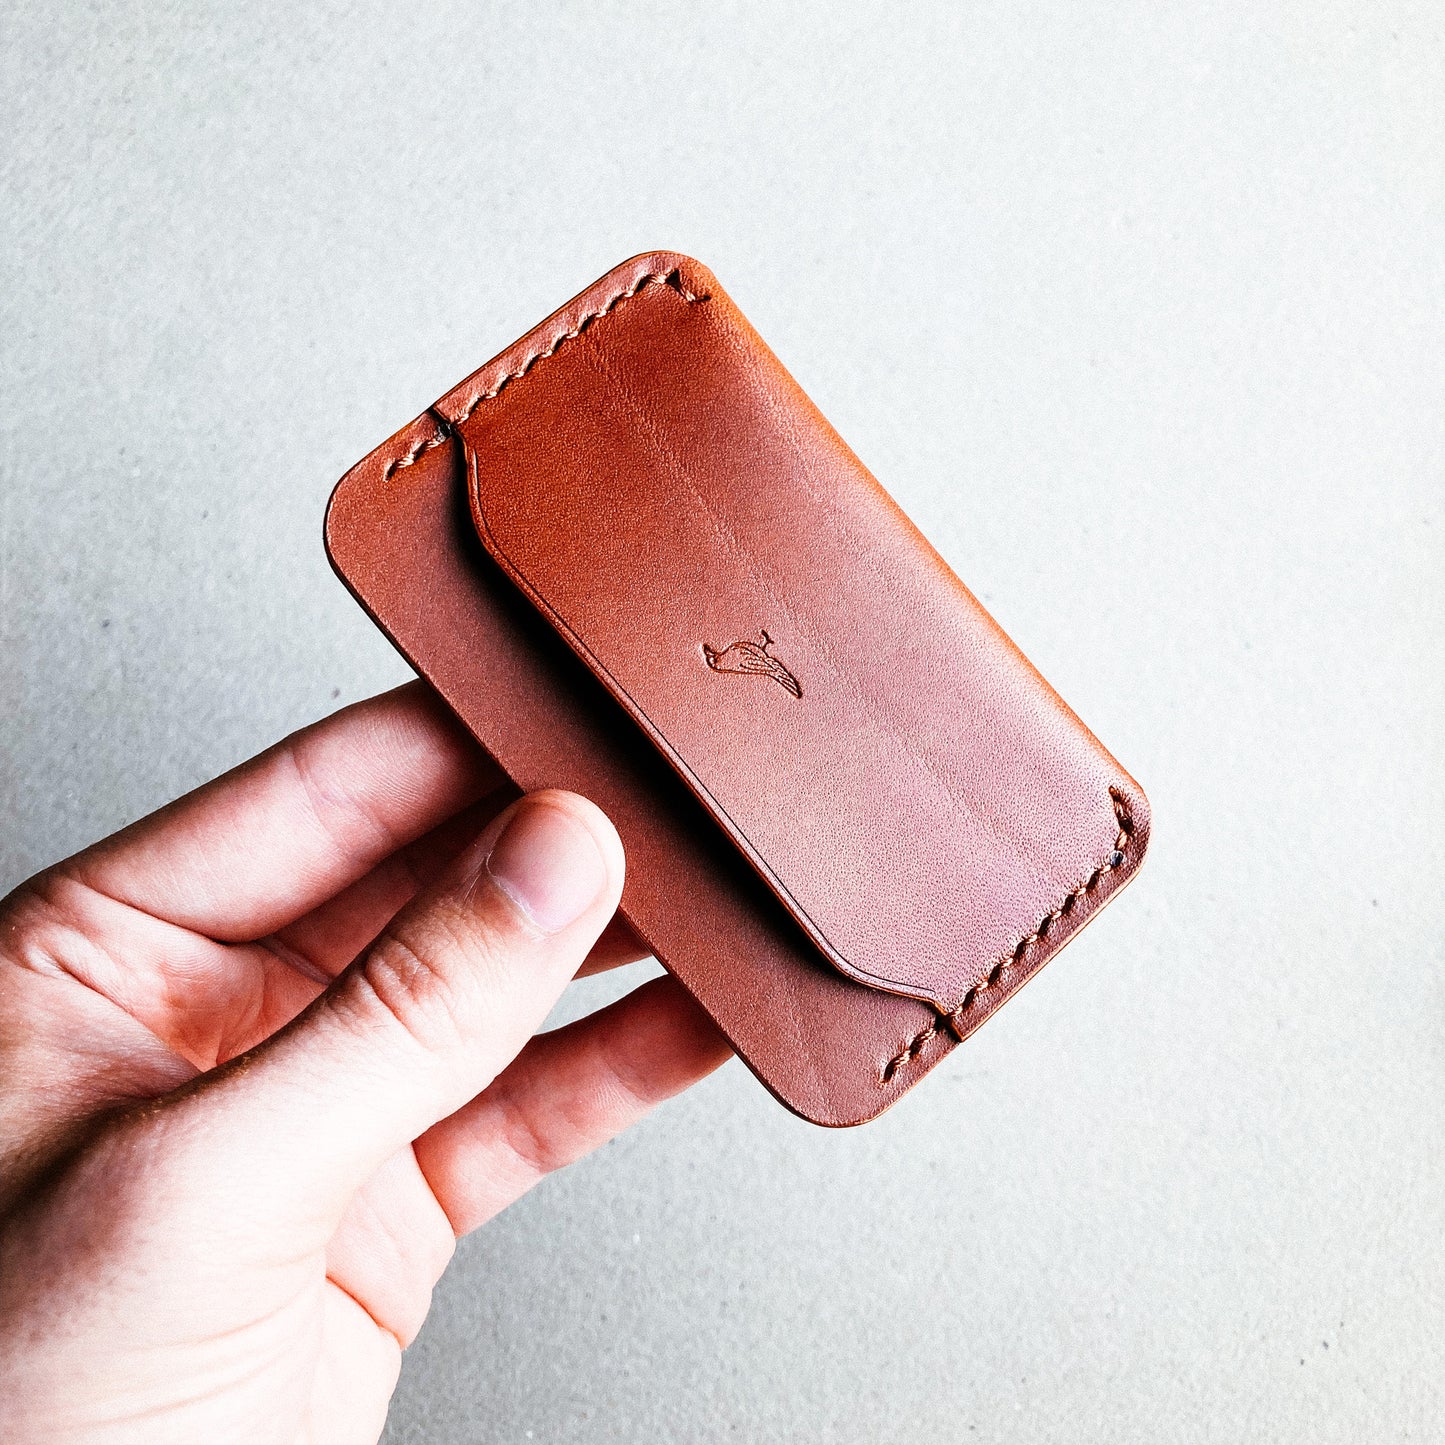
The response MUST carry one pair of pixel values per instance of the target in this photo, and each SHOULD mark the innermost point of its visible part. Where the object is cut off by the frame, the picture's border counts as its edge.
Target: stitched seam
(952, 1019)
(671, 279)
(410, 457)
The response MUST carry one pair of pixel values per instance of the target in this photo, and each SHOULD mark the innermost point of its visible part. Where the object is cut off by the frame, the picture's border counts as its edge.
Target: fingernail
(548, 864)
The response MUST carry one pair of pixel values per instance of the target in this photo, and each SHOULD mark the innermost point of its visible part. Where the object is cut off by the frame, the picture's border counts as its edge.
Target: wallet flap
(919, 799)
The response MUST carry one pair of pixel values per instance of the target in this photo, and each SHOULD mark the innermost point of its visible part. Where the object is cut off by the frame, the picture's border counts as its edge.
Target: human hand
(232, 1167)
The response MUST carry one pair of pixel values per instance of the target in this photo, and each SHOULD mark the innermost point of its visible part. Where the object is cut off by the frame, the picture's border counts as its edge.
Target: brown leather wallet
(638, 563)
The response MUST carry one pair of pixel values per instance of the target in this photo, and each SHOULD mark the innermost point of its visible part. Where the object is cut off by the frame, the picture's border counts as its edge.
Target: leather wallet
(638, 563)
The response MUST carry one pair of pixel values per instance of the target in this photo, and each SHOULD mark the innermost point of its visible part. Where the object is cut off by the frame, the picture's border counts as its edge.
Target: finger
(322, 942)
(209, 1002)
(391, 1246)
(567, 1092)
(423, 1022)
(570, 1090)
(272, 984)
(244, 855)
(617, 947)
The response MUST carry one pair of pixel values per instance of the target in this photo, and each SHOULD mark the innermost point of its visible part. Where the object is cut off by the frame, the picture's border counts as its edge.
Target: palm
(181, 945)
(329, 1340)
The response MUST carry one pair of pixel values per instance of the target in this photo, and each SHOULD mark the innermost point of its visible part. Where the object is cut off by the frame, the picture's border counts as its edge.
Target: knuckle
(426, 970)
(352, 823)
(398, 985)
(539, 1149)
(425, 973)
(38, 924)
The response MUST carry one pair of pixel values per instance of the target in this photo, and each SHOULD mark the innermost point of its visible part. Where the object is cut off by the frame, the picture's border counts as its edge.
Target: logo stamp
(752, 657)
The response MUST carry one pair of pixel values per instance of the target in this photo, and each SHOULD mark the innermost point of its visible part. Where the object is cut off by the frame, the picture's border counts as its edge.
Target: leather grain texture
(639, 563)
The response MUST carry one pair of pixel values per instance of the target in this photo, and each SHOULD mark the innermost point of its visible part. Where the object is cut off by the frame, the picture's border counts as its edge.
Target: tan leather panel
(911, 789)
(880, 785)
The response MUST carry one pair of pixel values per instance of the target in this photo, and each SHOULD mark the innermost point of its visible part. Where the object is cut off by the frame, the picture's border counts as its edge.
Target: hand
(264, 1055)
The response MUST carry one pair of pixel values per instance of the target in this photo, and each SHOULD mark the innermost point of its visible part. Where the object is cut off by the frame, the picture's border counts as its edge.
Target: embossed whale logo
(752, 657)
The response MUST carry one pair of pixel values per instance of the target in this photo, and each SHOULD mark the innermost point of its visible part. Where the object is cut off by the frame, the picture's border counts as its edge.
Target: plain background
(1137, 309)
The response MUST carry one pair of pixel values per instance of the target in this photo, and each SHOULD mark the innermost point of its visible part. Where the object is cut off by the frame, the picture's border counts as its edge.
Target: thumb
(420, 1024)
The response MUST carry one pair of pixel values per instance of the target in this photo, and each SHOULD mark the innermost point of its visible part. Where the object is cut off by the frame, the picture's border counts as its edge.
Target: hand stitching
(411, 456)
(672, 279)
(953, 1018)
